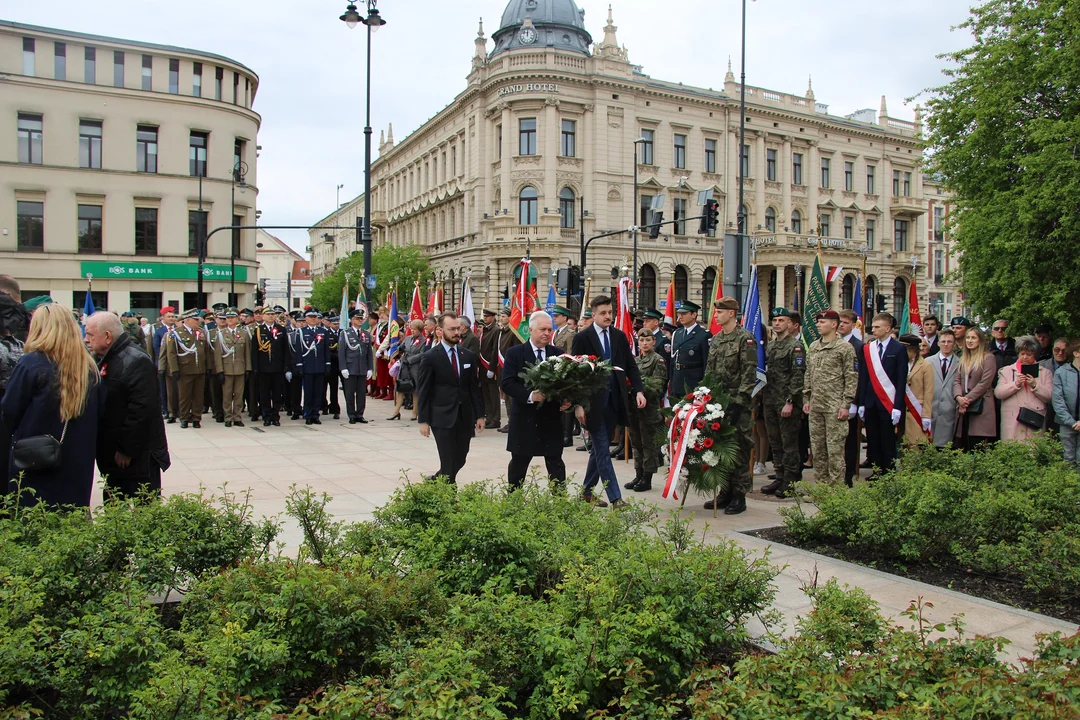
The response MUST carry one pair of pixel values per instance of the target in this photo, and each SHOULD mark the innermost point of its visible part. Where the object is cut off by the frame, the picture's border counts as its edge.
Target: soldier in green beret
(782, 402)
(646, 424)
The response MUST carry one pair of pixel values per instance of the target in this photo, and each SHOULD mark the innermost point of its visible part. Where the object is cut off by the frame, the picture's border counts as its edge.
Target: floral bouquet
(702, 448)
(568, 377)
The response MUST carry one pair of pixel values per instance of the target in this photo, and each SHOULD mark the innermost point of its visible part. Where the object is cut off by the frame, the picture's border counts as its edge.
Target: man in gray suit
(356, 363)
(945, 366)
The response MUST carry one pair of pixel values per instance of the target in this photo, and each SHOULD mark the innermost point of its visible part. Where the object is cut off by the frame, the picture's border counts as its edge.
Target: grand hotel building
(551, 125)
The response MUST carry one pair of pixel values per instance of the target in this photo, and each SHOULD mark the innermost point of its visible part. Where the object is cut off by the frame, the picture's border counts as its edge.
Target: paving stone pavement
(360, 466)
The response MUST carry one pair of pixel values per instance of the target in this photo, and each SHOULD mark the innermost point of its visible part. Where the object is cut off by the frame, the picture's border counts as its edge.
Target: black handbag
(1031, 419)
(405, 387)
(975, 407)
(38, 453)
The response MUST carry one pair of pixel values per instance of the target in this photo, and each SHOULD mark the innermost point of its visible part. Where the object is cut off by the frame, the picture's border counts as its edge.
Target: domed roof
(542, 23)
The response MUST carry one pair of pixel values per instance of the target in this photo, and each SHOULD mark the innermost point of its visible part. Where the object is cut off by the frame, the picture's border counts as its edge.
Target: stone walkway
(361, 465)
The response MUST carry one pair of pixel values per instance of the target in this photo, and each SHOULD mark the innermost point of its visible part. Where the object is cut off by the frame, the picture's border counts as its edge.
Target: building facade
(118, 158)
(282, 267)
(556, 138)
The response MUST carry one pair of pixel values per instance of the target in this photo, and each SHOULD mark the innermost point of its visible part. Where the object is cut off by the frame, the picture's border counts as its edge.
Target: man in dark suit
(931, 325)
(535, 420)
(448, 392)
(881, 407)
(609, 407)
(848, 320)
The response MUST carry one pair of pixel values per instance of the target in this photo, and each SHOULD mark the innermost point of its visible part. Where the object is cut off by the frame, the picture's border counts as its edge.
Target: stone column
(781, 289)
(834, 293)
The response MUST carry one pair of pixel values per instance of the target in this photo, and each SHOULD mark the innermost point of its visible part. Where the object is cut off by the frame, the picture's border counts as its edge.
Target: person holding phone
(1024, 393)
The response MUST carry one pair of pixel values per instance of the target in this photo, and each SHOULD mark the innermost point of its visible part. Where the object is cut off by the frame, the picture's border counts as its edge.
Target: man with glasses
(1042, 334)
(1059, 357)
(1002, 346)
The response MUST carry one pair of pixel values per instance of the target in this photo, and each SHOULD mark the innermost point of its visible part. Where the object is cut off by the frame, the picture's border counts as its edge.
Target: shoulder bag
(39, 453)
(1031, 419)
(975, 407)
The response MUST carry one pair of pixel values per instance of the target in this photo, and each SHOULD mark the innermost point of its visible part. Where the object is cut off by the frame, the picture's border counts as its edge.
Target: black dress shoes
(183, 424)
(238, 423)
(266, 423)
(362, 421)
(228, 423)
(197, 425)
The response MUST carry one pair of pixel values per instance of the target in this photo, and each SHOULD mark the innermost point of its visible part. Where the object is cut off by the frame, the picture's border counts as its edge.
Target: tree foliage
(1004, 135)
(387, 262)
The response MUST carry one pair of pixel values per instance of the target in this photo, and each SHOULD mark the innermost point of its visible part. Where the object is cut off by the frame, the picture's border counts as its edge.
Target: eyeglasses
(1059, 350)
(1000, 328)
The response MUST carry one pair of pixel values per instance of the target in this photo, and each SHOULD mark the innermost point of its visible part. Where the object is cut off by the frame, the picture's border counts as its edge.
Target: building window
(679, 215)
(60, 66)
(235, 87)
(710, 156)
(939, 223)
(90, 143)
(825, 166)
(826, 223)
(247, 92)
(870, 234)
(869, 179)
(118, 68)
(219, 76)
(680, 151)
(644, 209)
(146, 149)
(498, 142)
(849, 176)
(682, 283)
(646, 143)
(907, 184)
(745, 161)
(527, 201)
(896, 183)
(647, 286)
(900, 236)
(90, 65)
(796, 169)
(770, 219)
(90, 229)
(569, 137)
(196, 80)
(196, 231)
(28, 56)
(708, 279)
(527, 136)
(237, 221)
(31, 226)
(770, 165)
(29, 139)
(849, 227)
(174, 76)
(796, 221)
(147, 72)
(899, 295)
(197, 154)
(239, 146)
(566, 208)
(146, 231)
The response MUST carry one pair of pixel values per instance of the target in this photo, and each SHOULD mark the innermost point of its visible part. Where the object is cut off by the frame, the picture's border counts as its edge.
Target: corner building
(546, 129)
(116, 158)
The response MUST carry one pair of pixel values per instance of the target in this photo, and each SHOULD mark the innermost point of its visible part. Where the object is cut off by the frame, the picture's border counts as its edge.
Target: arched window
(770, 219)
(708, 278)
(849, 293)
(682, 283)
(527, 201)
(647, 290)
(796, 221)
(566, 208)
(899, 293)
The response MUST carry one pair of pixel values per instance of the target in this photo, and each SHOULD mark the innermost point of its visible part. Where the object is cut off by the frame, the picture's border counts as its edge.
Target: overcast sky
(311, 67)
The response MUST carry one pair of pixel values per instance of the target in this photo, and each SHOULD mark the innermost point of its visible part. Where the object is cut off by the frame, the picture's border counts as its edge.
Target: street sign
(371, 282)
(301, 284)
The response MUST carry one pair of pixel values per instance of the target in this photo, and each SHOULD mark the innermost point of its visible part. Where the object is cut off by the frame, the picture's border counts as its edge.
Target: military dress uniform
(829, 386)
(272, 358)
(251, 381)
(507, 339)
(188, 360)
(232, 360)
(733, 362)
(786, 363)
(356, 360)
(489, 377)
(689, 354)
(313, 361)
(646, 424)
(663, 345)
(217, 401)
(294, 381)
(563, 338)
(331, 405)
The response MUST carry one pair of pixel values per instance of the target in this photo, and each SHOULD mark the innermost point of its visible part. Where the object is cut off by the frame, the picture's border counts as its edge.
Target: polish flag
(832, 272)
(624, 319)
(669, 309)
(416, 309)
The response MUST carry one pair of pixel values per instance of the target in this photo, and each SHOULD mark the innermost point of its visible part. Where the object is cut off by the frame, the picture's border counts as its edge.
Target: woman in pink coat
(1016, 390)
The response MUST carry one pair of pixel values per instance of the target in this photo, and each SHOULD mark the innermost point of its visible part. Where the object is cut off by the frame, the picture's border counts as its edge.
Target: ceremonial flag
(345, 304)
(752, 322)
(88, 306)
(393, 329)
(860, 307)
(585, 299)
(624, 319)
(465, 305)
(669, 307)
(549, 306)
(416, 308)
(522, 303)
(435, 303)
(717, 293)
(817, 300)
(361, 304)
(832, 272)
(911, 320)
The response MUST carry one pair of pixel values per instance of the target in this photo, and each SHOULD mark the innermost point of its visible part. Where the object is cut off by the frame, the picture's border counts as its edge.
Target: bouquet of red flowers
(702, 447)
(568, 377)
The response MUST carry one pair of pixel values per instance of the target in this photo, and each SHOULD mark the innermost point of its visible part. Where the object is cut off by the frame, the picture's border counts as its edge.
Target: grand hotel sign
(527, 88)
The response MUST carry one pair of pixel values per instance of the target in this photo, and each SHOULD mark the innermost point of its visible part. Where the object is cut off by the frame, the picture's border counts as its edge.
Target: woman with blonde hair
(976, 417)
(54, 391)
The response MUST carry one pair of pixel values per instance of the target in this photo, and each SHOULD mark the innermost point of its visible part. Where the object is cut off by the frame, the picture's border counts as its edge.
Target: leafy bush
(1011, 510)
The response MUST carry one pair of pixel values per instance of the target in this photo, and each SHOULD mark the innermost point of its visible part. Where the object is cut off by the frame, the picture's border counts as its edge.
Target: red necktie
(453, 361)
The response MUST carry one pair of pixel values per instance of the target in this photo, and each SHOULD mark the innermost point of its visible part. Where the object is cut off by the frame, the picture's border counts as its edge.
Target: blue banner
(752, 322)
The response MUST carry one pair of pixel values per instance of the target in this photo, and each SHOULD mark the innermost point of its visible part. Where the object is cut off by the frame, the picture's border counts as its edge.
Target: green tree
(387, 262)
(1004, 135)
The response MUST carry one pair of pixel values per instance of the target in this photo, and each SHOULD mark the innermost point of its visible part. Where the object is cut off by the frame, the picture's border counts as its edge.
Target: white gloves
(926, 424)
(853, 411)
(490, 374)
(288, 376)
(862, 412)
(895, 417)
(368, 374)
(345, 374)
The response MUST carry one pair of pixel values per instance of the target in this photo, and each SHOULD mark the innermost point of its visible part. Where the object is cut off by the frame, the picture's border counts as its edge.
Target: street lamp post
(238, 175)
(373, 21)
(742, 148)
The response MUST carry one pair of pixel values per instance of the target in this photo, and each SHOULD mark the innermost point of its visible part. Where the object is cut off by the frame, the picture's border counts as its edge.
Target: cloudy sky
(311, 67)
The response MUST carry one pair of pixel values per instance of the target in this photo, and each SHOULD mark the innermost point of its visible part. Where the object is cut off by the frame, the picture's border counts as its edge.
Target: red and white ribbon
(879, 379)
(915, 408)
(679, 442)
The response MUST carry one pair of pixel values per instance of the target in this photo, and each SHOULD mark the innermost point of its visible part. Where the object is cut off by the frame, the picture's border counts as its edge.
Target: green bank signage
(160, 271)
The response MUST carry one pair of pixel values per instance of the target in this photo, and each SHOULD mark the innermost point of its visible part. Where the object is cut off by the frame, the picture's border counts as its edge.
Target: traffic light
(880, 303)
(657, 217)
(710, 217)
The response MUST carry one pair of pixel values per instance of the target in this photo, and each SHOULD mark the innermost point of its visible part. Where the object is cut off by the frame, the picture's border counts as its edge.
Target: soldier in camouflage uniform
(733, 361)
(828, 392)
(133, 331)
(782, 402)
(647, 424)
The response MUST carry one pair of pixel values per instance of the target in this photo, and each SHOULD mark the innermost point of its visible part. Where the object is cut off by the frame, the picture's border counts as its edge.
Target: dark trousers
(784, 441)
(252, 392)
(313, 394)
(217, 400)
(453, 445)
(600, 467)
(271, 394)
(568, 426)
(331, 381)
(163, 391)
(355, 397)
(880, 439)
(191, 396)
(127, 486)
(170, 395)
(293, 401)
(492, 408)
(851, 451)
(519, 466)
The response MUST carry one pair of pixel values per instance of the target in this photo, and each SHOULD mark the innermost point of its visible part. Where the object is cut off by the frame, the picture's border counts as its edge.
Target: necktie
(539, 356)
(453, 361)
(881, 350)
(944, 367)
(604, 342)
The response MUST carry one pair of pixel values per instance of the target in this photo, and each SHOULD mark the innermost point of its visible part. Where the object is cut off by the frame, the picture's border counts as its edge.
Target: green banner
(817, 299)
(160, 271)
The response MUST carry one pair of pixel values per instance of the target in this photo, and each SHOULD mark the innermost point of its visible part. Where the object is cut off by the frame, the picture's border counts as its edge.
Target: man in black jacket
(448, 394)
(132, 449)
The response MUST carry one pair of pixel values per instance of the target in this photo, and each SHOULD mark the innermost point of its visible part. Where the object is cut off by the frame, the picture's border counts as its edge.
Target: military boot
(737, 505)
(722, 500)
(783, 490)
(632, 485)
(771, 487)
(645, 483)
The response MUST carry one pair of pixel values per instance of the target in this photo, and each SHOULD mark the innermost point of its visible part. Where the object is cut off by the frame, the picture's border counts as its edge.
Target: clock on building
(527, 36)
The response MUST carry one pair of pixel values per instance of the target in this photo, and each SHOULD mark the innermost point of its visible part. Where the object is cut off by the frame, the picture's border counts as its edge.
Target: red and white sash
(879, 379)
(915, 408)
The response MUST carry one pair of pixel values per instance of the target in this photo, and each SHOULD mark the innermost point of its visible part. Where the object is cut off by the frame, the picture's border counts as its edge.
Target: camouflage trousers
(741, 480)
(784, 440)
(646, 427)
(828, 437)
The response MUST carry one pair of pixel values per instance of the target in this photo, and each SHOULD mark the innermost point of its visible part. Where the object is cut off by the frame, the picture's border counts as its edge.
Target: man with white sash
(882, 389)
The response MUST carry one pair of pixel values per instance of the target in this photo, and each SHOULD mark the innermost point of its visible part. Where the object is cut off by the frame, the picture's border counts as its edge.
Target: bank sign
(528, 87)
(160, 271)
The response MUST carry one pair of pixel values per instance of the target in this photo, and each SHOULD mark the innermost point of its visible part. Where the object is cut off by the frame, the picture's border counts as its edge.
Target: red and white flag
(416, 308)
(832, 272)
(669, 308)
(624, 318)
(465, 305)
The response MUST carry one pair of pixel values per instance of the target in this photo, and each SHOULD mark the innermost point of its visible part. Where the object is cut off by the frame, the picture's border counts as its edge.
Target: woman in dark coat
(55, 381)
